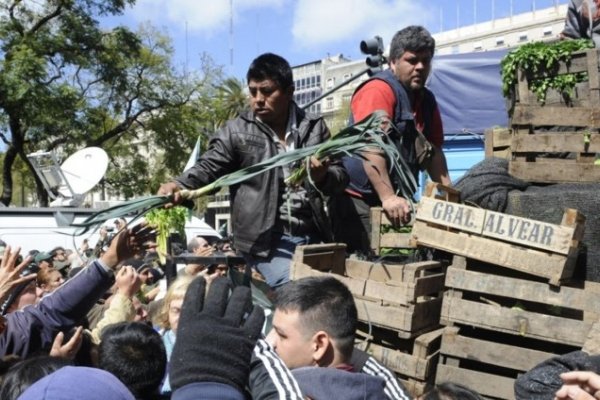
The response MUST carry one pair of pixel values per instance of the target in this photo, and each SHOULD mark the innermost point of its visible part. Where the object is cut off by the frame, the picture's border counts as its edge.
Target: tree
(66, 84)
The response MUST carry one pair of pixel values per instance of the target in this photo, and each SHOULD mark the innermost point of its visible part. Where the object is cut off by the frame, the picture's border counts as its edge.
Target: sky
(300, 30)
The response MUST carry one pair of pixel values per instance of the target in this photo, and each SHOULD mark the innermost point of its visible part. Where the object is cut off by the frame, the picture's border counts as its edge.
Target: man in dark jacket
(583, 20)
(401, 93)
(268, 220)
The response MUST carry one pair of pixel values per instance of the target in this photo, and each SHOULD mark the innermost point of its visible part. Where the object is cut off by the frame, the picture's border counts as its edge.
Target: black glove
(214, 343)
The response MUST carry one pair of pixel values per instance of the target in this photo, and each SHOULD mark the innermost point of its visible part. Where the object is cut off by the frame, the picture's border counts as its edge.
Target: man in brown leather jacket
(269, 220)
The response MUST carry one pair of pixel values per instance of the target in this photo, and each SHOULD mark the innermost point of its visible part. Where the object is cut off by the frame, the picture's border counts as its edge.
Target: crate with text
(413, 360)
(403, 297)
(534, 247)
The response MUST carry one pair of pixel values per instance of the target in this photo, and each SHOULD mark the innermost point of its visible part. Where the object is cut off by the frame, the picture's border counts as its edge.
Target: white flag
(194, 156)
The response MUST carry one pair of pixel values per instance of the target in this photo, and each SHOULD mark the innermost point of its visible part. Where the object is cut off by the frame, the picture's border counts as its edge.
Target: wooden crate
(586, 94)
(534, 247)
(497, 143)
(487, 366)
(554, 157)
(383, 237)
(576, 123)
(413, 360)
(403, 297)
(380, 225)
(477, 296)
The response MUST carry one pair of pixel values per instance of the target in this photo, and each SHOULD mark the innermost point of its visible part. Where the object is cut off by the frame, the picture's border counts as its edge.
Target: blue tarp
(468, 88)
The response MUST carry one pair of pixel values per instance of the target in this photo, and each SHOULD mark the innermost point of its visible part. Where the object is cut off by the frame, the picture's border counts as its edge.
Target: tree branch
(45, 20)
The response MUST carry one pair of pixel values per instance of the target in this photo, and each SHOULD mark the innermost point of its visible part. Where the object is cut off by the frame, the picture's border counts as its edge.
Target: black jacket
(543, 380)
(243, 142)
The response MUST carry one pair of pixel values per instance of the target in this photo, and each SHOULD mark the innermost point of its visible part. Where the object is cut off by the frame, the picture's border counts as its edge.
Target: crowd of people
(112, 322)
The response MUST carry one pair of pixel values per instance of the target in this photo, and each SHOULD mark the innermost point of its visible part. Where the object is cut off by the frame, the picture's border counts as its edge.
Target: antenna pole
(231, 34)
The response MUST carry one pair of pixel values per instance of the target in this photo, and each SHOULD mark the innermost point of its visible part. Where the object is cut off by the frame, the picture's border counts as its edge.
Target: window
(347, 76)
(477, 46)
(523, 37)
(500, 41)
(319, 80)
(312, 81)
(330, 83)
(329, 104)
(547, 31)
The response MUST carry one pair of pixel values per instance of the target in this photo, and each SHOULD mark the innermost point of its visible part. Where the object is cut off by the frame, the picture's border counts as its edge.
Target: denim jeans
(276, 267)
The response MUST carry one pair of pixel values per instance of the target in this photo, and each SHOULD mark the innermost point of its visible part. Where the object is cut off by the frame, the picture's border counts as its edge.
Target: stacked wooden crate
(544, 133)
(396, 303)
(385, 237)
(510, 302)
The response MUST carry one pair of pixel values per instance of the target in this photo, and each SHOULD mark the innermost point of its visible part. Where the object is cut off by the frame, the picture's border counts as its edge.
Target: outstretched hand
(579, 385)
(216, 335)
(10, 272)
(67, 350)
(129, 242)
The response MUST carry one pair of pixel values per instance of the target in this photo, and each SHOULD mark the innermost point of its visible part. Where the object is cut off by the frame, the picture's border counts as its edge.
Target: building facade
(539, 25)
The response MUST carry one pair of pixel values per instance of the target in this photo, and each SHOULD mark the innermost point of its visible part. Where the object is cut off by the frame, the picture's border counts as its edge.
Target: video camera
(374, 49)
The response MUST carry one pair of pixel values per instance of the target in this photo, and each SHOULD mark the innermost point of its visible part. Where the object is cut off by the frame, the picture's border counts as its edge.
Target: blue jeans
(276, 267)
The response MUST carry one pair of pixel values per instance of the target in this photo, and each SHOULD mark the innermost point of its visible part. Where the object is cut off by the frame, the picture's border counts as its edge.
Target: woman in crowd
(47, 281)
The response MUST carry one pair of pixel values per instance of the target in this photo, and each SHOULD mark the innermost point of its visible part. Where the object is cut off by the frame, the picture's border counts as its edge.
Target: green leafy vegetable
(167, 220)
(541, 60)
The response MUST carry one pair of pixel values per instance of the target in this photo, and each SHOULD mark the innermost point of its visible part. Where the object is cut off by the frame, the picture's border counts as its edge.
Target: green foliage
(543, 59)
(66, 84)
(167, 220)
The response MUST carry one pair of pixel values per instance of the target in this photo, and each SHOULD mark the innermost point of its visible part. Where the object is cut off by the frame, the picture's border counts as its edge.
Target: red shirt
(378, 95)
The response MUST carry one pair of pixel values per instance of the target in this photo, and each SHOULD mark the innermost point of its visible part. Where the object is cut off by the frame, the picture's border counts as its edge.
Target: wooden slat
(497, 142)
(395, 240)
(409, 320)
(554, 172)
(384, 272)
(556, 142)
(493, 353)
(403, 363)
(326, 256)
(578, 299)
(485, 384)
(577, 116)
(514, 321)
(577, 63)
(554, 267)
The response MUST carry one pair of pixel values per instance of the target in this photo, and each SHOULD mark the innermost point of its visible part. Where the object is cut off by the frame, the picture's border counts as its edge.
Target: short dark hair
(451, 391)
(56, 250)
(324, 303)
(412, 38)
(134, 353)
(271, 66)
(27, 372)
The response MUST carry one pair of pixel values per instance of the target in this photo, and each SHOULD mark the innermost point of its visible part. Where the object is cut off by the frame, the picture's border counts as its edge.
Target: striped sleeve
(393, 388)
(269, 377)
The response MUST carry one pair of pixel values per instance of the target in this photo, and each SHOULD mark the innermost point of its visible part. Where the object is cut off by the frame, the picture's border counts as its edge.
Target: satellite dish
(83, 170)
(68, 184)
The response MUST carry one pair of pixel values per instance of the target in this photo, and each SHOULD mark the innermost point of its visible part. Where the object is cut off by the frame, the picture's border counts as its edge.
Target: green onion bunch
(364, 136)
